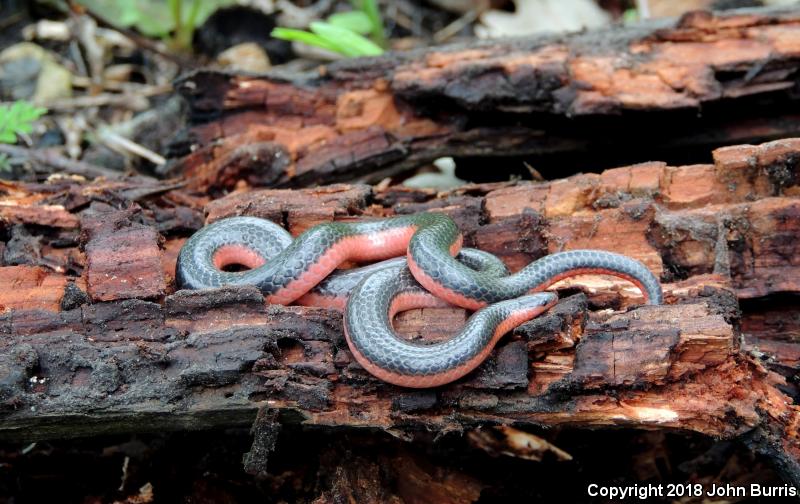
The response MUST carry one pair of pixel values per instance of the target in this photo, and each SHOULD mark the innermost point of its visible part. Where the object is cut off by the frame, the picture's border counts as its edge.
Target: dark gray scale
(195, 268)
(427, 244)
(542, 270)
(287, 258)
(340, 284)
(370, 330)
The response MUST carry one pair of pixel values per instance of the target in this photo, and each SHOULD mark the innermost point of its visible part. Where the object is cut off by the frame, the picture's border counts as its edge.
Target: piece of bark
(43, 215)
(771, 330)
(151, 359)
(528, 97)
(25, 286)
(295, 359)
(122, 256)
(741, 225)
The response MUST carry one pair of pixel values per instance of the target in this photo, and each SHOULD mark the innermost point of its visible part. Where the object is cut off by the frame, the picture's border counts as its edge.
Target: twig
(139, 192)
(456, 26)
(134, 101)
(85, 30)
(132, 96)
(11, 19)
(77, 57)
(125, 146)
(401, 17)
(142, 42)
(124, 87)
(59, 162)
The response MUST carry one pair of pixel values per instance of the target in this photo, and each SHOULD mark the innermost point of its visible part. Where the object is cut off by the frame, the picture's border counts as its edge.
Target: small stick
(131, 101)
(127, 146)
(59, 162)
(139, 40)
(451, 29)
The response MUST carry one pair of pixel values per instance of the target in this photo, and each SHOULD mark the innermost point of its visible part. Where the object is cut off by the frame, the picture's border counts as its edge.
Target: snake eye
(547, 299)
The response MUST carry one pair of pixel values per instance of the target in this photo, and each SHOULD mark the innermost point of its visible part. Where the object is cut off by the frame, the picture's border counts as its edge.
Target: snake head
(515, 312)
(538, 300)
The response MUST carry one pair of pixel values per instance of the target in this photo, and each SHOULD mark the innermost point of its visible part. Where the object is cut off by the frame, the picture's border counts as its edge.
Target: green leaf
(18, 118)
(122, 13)
(155, 18)
(370, 8)
(355, 21)
(343, 32)
(305, 37)
(630, 16)
(347, 42)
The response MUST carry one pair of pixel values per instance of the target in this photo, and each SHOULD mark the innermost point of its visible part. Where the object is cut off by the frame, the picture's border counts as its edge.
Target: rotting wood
(97, 355)
(375, 117)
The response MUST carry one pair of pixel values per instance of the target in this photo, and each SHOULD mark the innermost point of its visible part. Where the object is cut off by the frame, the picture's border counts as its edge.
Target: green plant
(17, 119)
(630, 16)
(173, 20)
(343, 32)
(370, 8)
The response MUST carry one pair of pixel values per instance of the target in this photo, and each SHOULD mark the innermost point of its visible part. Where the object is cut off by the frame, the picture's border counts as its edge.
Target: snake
(388, 356)
(418, 262)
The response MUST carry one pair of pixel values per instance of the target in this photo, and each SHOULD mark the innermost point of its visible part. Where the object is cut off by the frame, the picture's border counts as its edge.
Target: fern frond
(17, 119)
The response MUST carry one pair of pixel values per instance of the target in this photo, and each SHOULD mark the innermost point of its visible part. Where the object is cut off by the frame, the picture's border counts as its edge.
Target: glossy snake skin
(302, 270)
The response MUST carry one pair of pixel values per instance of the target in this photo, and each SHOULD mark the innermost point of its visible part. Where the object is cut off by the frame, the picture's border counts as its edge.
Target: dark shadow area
(309, 463)
(593, 144)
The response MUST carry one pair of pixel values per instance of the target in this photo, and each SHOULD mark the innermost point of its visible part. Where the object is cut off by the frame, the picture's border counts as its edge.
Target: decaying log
(697, 83)
(97, 340)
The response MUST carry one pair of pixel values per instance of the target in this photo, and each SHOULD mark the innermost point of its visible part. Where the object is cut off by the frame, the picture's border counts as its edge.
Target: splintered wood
(93, 314)
(686, 86)
(95, 337)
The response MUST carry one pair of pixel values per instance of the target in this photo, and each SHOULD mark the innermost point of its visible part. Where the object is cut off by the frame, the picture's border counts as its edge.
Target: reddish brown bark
(96, 338)
(633, 90)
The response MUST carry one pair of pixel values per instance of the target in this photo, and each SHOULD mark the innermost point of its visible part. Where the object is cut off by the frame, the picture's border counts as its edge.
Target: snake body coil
(300, 270)
(382, 352)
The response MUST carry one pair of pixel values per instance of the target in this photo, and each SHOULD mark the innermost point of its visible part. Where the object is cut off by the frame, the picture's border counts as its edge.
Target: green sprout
(370, 8)
(17, 119)
(172, 20)
(630, 16)
(343, 32)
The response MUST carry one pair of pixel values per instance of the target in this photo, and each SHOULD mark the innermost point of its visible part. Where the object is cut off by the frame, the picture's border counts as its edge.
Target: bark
(627, 93)
(96, 340)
